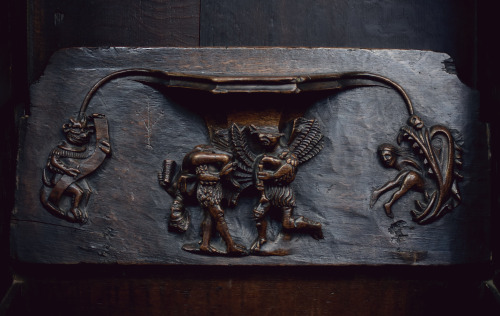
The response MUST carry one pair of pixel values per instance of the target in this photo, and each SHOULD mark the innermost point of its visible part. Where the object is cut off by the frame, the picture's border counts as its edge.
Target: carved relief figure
(219, 172)
(70, 162)
(274, 169)
(441, 158)
(408, 178)
(203, 173)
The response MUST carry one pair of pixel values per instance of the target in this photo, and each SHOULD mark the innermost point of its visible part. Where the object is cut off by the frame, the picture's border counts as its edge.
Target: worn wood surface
(433, 295)
(355, 24)
(128, 208)
(55, 24)
(249, 291)
(443, 26)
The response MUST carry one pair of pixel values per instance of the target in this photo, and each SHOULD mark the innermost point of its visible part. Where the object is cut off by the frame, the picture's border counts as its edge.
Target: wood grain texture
(443, 26)
(428, 294)
(56, 24)
(128, 208)
(249, 291)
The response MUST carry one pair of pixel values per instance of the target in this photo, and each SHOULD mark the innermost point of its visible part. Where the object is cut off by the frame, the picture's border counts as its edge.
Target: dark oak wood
(128, 208)
(443, 26)
(55, 24)
(250, 291)
(433, 295)
(13, 99)
(489, 85)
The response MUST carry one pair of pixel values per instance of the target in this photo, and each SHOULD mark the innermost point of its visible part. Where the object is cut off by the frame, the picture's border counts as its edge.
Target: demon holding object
(242, 157)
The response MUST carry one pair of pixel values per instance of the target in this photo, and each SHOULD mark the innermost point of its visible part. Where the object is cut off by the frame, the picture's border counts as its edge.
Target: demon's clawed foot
(257, 244)
(237, 250)
(304, 224)
(317, 234)
(209, 249)
(234, 251)
(202, 249)
(78, 216)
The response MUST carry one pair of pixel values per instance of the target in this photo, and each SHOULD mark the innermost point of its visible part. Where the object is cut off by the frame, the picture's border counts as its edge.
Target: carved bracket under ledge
(233, 178)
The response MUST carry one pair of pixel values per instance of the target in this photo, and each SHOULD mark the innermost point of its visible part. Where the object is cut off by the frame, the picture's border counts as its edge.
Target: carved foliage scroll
(430, 166)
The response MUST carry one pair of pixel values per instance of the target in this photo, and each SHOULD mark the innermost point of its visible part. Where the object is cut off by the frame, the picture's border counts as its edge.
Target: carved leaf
(306, 140)
(220, 140)
(442, 159)
(244, 157)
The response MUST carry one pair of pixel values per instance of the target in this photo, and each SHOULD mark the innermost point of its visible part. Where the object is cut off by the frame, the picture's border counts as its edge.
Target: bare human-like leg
(179, 218)
(77, 194)
(259, 213)
(220, 224)
(301, 223)
(411, 180)
(386, 187)
(206, 234)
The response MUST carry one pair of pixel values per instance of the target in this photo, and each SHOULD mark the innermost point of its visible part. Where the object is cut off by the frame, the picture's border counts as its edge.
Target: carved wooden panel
(250, 157)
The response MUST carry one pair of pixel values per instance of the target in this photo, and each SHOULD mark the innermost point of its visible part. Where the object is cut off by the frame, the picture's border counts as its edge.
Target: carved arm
(285, 172)
(59, 165)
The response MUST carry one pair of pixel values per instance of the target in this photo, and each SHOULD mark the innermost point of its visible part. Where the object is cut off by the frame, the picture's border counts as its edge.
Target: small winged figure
(273, 169)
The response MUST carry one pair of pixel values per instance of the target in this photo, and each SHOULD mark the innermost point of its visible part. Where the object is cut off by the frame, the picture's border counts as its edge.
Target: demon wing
(306, 140)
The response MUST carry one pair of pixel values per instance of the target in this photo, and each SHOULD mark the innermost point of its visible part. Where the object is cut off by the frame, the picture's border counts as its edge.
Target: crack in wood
(41, 222)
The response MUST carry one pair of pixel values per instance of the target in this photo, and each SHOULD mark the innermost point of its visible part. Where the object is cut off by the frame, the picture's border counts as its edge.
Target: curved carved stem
(272, 84)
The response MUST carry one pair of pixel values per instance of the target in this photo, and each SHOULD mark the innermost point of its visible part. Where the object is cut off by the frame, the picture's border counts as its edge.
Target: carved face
(268, 137)
(387, 157)
(77, 132)
(415, 122)
(268, 140)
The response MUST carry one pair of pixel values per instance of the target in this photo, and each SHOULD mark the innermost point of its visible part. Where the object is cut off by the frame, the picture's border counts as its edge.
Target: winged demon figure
(273, 169)
(216, 174)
